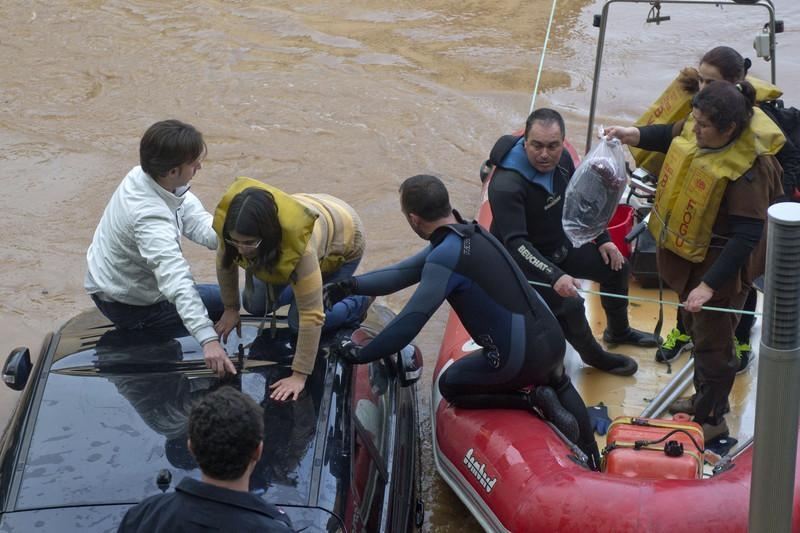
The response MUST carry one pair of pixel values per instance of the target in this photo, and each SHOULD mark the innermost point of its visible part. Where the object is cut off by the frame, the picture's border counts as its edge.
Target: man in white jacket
(137, 274)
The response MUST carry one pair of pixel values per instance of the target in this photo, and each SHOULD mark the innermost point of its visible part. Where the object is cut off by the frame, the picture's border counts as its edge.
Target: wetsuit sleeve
(507, 201)
(656, 137)
(431, 292)
(393, 278)
(745, 233)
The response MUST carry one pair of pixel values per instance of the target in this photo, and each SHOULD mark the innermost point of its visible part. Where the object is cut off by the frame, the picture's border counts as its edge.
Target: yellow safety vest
(296, 220)
(692, 182)
(675, 104)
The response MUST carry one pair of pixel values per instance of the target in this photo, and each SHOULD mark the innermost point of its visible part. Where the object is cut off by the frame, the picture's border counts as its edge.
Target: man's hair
(225, 429)
(425, 196)
(254, 212)
(546, 116)
(169, 144)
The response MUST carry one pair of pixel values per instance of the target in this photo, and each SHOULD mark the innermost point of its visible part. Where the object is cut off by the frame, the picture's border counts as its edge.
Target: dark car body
(104, 412)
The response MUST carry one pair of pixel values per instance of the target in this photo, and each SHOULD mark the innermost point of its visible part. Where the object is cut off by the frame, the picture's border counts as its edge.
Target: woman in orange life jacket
(725, 63)
(731, 146)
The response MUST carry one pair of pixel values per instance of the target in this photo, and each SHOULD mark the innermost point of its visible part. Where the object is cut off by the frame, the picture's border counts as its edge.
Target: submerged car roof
(114, 408)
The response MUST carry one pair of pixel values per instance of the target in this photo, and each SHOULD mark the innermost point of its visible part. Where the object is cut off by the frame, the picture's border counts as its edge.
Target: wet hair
(169, 144)
(225, 429)
(253, 212)
(546, 116)
(730, 63)
(425, 196)
(724, 103)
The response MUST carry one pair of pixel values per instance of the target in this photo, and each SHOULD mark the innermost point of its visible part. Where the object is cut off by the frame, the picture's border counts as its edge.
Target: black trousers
(586, 263)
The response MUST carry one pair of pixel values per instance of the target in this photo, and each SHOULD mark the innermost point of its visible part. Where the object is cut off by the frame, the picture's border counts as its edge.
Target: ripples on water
(347, 99)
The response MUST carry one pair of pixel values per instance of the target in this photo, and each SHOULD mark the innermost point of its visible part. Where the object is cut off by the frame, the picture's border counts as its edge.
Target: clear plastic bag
(594, 192)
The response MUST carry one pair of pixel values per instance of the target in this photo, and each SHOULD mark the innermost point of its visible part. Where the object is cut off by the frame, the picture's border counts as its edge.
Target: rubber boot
(619, 331)
(545, 399)
(572, 319)
(614, 363)
(592, 454)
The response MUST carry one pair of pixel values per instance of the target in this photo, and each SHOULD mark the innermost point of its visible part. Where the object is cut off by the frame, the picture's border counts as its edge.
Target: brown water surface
(347, 98)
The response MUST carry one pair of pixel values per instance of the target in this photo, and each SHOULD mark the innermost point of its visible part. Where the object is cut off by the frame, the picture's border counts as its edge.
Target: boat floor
(628, 396)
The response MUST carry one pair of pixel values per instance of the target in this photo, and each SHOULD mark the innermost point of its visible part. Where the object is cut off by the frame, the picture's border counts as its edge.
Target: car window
(370, 411)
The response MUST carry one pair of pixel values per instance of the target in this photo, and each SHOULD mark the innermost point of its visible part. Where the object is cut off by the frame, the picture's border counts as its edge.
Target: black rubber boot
(613, 363)
(579, 334)
(545, 400)
(592, 454)
(619, 331)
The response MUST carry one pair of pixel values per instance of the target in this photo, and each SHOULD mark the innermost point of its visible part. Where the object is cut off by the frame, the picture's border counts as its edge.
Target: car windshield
(114, 413)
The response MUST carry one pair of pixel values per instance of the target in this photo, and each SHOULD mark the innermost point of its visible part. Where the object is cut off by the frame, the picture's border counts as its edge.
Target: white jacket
(135, 256)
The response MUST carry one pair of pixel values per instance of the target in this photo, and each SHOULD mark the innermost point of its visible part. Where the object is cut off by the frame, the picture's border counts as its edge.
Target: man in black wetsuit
(521, 342)
(526, 195)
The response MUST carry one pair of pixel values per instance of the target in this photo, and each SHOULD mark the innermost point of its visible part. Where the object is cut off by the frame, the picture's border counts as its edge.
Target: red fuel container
(635, 449)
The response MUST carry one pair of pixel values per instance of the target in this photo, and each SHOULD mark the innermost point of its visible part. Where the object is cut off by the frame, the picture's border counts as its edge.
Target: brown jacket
(749, 196)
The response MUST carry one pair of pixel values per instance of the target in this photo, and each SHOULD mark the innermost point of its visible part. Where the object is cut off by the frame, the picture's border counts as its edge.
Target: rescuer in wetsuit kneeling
(521, 342)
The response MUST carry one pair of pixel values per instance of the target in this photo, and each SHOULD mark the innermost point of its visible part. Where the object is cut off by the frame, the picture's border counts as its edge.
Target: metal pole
(679, 383)
(778, 395)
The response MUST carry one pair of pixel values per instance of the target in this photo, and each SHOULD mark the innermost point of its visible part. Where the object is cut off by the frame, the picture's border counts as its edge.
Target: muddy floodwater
(346, 98)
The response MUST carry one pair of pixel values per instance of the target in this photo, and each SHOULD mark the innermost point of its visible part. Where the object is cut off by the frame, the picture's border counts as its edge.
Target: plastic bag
(594, 192)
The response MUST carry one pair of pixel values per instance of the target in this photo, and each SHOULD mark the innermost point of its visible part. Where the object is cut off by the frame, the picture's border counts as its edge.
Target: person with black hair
(137, 275)
(526, 195)
(719, 177)
(288, 245)
(521, 342)
(226, 433)
(725, 63)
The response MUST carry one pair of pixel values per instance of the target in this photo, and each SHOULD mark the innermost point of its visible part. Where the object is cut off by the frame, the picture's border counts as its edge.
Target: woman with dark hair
(725, 63)
(718, 178)
(288, 245)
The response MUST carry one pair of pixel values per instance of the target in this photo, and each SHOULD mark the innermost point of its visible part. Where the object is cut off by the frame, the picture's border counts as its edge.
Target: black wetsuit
(527, 220)
(521, 341)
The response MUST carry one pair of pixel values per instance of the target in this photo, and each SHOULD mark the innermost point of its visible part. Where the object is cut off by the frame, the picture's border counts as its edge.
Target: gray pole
(778, 395)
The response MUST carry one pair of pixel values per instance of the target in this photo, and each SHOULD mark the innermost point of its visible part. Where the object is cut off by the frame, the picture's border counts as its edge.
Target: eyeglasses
(244, 245)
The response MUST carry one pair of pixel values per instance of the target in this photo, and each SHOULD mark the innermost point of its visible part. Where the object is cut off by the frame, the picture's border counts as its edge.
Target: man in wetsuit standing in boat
(526, 195)
(521, 342)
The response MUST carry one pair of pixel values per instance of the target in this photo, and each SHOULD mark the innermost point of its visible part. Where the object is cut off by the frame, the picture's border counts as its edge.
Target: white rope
(541, 59)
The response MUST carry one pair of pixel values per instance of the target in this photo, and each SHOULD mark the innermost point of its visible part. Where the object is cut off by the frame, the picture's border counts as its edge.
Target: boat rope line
(654, 300)
(541, 58)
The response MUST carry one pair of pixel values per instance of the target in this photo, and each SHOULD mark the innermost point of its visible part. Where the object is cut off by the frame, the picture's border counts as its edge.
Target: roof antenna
(655, 14)
(164, 479)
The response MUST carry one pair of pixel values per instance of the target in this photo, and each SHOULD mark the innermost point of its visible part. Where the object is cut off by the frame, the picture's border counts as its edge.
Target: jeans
(348, 312)
(157, 315)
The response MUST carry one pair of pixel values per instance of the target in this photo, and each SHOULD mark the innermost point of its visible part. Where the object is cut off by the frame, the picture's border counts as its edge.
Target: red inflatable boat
(515, 473)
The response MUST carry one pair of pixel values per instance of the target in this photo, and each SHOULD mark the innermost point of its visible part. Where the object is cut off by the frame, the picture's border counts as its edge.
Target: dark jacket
(526, 218)
(197, 506)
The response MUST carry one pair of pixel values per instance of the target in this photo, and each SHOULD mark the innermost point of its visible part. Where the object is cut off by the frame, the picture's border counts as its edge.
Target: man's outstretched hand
(337, 291)
(349, 351)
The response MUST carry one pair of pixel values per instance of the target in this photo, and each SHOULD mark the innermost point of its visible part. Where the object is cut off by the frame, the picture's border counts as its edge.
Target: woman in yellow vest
(717, 180)
(719, 63)
(288, 245)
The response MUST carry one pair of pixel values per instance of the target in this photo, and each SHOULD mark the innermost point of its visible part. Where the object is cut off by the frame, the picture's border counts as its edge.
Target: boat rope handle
(654, 300)
(541, 59)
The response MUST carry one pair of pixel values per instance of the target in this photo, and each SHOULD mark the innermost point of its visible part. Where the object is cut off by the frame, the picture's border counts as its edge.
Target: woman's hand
(629, 135)
(699, 296)
(287, 388)
(230, 319)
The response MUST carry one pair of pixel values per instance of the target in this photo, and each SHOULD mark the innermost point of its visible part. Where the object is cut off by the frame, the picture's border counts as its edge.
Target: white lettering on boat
(478, 470)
